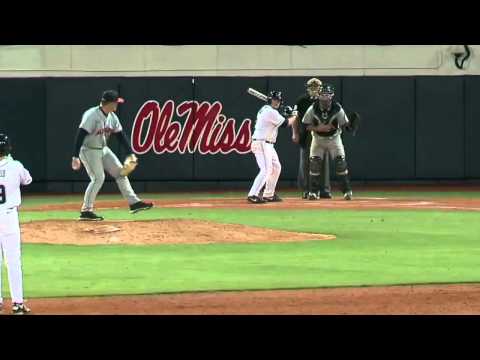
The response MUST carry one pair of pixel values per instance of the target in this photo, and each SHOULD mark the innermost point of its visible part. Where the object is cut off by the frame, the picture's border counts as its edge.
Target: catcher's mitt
(129, 165)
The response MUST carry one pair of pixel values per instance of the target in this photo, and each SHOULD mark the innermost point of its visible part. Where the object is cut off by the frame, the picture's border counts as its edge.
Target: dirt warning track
(392, 300)
(289, 203)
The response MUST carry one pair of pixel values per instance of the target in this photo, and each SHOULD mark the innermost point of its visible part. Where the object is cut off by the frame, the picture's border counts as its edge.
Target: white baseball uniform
(12, 176)
(263, 141)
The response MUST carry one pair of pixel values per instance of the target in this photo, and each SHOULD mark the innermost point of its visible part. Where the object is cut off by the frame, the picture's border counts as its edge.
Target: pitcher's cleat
(139, 206)
(89, 216)
(348, 195)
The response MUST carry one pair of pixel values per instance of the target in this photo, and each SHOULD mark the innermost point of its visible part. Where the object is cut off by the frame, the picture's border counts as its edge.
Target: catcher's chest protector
(326, 116)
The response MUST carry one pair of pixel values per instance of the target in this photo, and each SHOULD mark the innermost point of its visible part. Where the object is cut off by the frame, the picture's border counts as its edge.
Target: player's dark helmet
(325, 97)
(5, 145)
(276, 95)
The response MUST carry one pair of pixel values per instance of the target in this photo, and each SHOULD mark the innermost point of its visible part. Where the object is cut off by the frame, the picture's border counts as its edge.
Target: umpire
(303, 138)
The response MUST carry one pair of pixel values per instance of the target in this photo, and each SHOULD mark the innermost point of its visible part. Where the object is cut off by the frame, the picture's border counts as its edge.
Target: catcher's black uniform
(305, 140)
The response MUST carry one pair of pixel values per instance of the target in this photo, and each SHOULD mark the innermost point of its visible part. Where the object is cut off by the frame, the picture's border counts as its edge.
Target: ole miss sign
(205, 129)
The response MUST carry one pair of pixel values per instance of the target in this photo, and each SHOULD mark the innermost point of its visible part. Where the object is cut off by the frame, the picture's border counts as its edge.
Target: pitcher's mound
(154, 233)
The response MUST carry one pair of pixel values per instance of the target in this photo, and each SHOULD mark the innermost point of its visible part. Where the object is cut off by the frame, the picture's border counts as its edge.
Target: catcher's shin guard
(315, 173)
(314, 185)
(341, 169)
(345, 183)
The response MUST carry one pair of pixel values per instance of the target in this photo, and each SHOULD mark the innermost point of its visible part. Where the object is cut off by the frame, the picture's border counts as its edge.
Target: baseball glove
(129, 165)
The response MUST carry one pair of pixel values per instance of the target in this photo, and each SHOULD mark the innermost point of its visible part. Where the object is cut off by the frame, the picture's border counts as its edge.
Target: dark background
(413, 128)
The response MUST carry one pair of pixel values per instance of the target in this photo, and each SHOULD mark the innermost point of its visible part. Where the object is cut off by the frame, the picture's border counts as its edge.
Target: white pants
(10, 250)
(270, 168)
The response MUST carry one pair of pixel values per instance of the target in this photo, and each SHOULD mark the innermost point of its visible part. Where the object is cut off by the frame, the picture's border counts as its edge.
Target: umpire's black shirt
(302, 105)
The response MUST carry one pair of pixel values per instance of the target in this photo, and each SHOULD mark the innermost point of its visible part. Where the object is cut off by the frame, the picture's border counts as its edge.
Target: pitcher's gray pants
(96, 162)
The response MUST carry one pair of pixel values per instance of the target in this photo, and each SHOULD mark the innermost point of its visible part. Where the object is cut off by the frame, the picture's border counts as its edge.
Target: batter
(268, 121)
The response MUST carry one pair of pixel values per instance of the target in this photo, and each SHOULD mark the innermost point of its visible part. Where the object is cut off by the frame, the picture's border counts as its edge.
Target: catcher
(97, 125)
(327, 119)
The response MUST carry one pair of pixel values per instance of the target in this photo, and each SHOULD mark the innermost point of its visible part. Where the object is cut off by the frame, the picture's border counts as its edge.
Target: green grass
(372, 248)
(70, 270)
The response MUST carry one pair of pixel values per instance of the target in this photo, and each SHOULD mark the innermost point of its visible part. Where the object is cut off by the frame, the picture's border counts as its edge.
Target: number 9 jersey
(12, 176)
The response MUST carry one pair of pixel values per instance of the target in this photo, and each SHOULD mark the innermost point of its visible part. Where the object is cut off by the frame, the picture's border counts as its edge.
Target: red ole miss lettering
(205, 129)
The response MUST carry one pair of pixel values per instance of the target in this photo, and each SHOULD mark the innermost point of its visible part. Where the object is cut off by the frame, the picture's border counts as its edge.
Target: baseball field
(404, 250)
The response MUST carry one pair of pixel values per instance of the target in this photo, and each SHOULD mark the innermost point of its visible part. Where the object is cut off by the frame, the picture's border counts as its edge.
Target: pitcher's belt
(95, 148)
(268, 142)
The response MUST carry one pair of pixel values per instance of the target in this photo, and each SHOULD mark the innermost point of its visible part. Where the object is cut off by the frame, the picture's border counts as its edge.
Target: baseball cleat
(89, 216)
(20, 309)
(139, 206)
(325, 195)
(274, 198)
(305, 195)
(255, 200)
(348, 195)
(313, 196)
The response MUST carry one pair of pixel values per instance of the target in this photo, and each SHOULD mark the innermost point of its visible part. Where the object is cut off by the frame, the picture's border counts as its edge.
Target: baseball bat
(257, 94)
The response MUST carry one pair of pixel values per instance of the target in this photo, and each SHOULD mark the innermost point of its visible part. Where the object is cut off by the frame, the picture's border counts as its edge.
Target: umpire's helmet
(313, 87)
(277, 95)
(5, 146)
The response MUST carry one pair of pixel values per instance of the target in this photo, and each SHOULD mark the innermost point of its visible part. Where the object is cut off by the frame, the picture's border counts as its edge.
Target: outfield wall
(413, 128)
(234, 60)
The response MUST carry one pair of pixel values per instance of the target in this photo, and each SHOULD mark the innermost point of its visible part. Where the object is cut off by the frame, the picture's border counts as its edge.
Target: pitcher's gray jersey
(336, 116)
(99, 127)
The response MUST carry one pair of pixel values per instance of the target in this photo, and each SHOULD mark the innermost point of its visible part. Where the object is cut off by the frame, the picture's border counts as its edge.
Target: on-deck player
(268, 121)
(12, 176)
